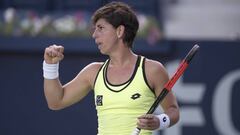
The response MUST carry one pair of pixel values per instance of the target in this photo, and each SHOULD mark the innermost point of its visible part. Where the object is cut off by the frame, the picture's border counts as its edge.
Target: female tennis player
(125, 85)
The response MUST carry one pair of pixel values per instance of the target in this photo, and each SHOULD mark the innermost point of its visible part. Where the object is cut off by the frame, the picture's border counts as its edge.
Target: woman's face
(105, 36)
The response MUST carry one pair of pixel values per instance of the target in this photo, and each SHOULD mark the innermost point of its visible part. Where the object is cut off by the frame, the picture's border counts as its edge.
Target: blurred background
(207, 93)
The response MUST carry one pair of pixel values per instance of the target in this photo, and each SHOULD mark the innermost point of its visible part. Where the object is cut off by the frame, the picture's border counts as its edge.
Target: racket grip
(136, 131)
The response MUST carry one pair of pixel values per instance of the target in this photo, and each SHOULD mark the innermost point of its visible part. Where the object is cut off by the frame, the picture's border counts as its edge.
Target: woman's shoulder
(94, 66)
(154, 68)
(153, 64)
(156, 73)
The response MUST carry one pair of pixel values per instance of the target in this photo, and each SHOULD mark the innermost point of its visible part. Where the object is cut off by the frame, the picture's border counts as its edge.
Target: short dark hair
(119, 13)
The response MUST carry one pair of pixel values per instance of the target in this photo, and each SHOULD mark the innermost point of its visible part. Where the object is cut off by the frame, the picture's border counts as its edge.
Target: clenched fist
(53, 54)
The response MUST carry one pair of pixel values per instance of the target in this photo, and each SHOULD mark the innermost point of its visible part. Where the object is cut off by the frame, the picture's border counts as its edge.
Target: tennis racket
(168, 86)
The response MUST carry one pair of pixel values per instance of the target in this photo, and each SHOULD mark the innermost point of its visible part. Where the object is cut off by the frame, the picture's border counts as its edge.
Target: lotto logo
(135, 96)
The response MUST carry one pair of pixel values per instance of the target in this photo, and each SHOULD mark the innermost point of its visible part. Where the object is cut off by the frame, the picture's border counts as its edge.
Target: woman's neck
(122, 58)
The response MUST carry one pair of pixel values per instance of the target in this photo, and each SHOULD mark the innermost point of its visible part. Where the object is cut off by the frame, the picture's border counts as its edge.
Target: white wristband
(50, 71)
(164, 121)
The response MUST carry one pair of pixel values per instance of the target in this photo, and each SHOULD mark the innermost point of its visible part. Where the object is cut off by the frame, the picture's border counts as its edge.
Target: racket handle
(136, 131)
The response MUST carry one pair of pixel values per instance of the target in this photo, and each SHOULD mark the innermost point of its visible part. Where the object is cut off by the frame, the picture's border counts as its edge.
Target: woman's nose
(94, 34)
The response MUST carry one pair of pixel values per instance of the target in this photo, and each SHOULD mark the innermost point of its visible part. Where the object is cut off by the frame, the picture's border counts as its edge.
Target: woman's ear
(120, 31)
